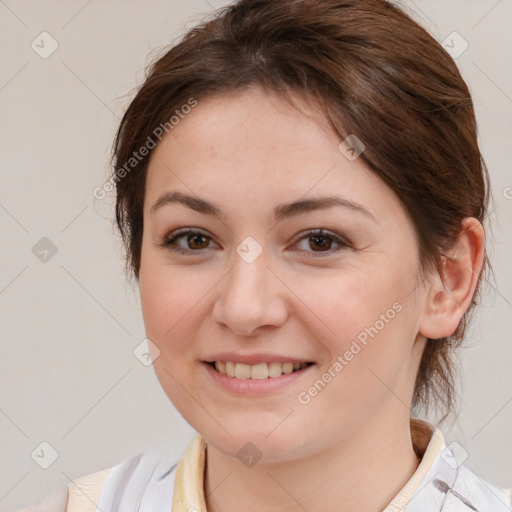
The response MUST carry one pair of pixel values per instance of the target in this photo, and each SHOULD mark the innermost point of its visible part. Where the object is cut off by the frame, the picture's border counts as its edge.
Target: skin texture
(247, 154)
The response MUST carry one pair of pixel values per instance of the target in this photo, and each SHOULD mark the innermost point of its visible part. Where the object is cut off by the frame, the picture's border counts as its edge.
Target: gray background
(69, 325)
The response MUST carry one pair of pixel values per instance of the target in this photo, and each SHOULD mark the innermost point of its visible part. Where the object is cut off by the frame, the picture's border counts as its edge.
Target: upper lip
(254, 358)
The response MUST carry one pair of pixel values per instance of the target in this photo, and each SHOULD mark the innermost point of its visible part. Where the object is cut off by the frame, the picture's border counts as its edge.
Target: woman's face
(250, 286)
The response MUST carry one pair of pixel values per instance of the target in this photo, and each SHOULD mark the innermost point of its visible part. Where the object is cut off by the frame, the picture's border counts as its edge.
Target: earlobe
(452, 288)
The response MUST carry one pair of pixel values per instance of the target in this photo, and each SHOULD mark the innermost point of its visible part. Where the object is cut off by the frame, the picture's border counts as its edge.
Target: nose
(251, 297)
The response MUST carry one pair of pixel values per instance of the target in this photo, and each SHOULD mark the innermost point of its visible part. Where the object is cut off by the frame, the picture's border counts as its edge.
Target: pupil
(321, 244)
(195, 237)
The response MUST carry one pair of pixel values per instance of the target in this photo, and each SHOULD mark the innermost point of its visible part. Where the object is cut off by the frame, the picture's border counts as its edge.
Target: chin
(263, 441)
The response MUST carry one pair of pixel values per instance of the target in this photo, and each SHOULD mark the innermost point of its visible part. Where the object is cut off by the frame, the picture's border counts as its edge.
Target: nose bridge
(248, 280)
(249, 295)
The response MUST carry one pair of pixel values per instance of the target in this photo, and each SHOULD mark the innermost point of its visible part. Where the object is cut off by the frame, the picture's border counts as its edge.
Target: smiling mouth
(256, 371)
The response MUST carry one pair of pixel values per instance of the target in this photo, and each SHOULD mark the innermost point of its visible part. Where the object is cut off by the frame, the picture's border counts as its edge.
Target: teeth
(259, 371)
(230, 369)
(242, 371)
(256, 371)
(274, 369)
(287, 367)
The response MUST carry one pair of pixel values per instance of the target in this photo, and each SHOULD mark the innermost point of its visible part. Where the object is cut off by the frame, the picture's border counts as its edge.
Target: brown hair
(375, 73)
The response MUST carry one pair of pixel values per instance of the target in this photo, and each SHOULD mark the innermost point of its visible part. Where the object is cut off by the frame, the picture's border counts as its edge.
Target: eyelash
(169, 242)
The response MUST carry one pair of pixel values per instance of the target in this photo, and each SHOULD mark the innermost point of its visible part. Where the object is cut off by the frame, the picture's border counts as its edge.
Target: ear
(450, 291)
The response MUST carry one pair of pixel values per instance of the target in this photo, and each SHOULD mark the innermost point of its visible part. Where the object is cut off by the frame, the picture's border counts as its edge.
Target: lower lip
(255, 386)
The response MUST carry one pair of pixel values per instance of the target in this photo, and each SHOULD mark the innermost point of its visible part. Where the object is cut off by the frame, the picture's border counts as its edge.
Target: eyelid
(171, 237)
(342, 242)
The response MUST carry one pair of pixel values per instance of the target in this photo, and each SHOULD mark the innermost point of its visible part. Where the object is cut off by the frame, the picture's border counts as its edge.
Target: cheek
(351, 301)
(159, 299)
(172, 299)
(370, 317)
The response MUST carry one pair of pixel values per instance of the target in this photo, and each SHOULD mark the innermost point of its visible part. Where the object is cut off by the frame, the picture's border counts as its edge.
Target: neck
(364, 472)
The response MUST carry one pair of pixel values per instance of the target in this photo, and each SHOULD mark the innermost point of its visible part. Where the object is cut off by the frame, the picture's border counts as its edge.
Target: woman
(301, 196)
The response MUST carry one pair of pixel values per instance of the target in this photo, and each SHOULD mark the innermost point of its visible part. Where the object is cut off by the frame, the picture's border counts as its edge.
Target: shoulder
(481, 494)
(450, 485)
(80, 495)
(445, 483)
(142, 482)
(84, 493)
(146, 478)
(53, 502)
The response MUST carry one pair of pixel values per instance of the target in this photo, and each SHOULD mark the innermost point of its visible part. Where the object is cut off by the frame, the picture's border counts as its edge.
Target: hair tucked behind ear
(377, 74)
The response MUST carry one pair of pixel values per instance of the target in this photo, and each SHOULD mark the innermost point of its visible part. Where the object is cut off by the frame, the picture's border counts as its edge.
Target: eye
(192, 240)
(187, 241)
(321, 241)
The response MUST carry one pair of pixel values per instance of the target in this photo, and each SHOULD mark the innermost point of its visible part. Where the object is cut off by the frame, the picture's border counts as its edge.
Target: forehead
(248, 127)
(257, 147)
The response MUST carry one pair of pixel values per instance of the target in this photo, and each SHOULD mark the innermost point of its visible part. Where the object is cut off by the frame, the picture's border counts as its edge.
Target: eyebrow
(281, 211)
